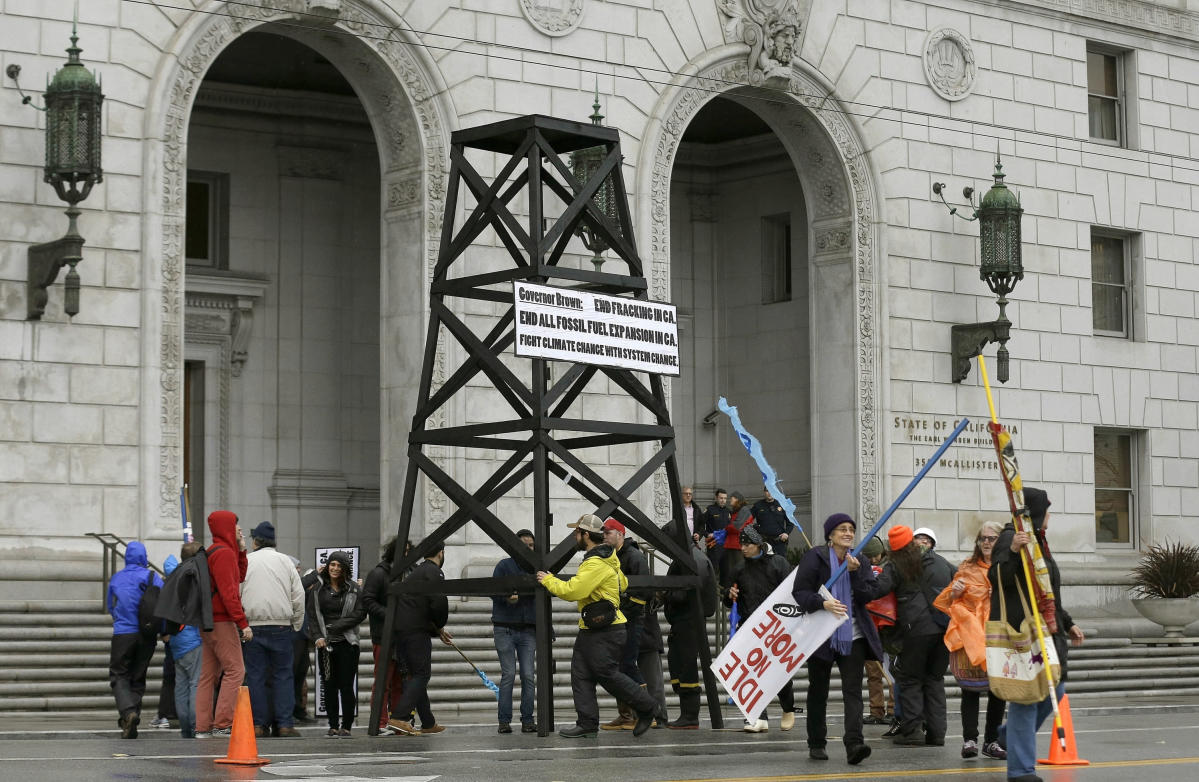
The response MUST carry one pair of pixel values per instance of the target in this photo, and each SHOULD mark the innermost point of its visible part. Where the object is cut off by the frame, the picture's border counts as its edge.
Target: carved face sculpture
(782, 44)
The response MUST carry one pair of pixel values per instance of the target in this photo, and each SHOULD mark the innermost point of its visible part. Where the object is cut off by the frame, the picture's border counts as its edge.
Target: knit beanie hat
(836, 520)
(1037, 502)
(873, 547)
(899, 536)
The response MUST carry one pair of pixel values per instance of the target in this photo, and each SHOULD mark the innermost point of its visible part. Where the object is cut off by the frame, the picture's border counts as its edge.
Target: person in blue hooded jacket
(131, 648)
(183, 645)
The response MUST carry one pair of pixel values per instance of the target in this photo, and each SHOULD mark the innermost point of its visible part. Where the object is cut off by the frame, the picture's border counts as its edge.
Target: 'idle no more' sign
(590, 328)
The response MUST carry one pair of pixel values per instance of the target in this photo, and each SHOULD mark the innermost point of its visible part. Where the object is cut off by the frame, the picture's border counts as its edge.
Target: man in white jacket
(273, 599)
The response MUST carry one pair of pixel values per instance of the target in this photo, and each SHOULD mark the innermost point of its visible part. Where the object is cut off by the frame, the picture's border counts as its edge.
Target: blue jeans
(1019, 735)
(514, 646)
(187, 678)
(269, 654)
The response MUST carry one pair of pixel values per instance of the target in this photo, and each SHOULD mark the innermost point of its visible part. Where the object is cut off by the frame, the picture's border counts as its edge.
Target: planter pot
(1172, 613)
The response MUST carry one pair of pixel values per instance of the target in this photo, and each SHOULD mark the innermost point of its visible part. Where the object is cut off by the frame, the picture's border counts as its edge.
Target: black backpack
(147, 623)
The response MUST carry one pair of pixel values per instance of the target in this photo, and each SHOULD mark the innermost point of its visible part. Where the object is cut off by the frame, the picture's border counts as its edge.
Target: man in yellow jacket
(596, 656)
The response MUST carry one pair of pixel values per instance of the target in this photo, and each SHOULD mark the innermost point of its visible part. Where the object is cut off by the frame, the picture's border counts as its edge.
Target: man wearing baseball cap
(596, 656)
(632, 605)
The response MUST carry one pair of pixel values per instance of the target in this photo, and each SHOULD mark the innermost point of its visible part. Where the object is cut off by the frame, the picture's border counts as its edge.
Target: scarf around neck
(842, 640)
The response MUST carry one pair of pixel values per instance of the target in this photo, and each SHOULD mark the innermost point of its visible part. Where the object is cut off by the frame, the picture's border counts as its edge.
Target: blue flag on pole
(769, 477)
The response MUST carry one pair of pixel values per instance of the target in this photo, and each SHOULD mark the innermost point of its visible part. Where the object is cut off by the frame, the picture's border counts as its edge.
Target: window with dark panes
(1114, 482)
(776, 258)
(206, 226)
(1104, 82)
(1109, 284)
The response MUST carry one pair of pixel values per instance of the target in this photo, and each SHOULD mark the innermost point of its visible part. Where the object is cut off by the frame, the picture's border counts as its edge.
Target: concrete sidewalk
(37, 725)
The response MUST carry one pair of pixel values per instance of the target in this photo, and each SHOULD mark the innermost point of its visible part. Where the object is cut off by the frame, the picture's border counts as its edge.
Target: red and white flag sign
(770, 646)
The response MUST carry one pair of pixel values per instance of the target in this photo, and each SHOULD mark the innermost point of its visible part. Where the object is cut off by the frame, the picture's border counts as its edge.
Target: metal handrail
(114, 552)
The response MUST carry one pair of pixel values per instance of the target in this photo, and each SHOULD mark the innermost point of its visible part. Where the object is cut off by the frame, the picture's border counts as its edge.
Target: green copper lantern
(73, 100)
(999, 238)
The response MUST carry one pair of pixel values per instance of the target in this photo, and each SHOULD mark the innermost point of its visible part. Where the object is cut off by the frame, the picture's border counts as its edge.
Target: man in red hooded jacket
(221, 649)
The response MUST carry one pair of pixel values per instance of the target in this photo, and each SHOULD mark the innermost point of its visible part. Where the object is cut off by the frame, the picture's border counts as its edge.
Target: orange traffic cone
(1069, 755)
(243, 747)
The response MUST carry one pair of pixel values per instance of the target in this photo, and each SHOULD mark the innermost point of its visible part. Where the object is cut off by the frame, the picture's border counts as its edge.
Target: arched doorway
(843, 284)
(739, 269)
(282, 221)
(332, 223)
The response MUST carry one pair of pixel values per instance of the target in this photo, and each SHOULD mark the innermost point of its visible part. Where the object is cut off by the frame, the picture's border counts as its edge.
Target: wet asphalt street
(1146, 743)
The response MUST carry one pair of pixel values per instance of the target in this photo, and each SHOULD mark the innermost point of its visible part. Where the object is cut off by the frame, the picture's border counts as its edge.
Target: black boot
(688, 711)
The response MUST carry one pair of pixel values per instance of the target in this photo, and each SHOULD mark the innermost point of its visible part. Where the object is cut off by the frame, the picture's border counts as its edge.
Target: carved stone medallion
(949, 63)
(553, 17)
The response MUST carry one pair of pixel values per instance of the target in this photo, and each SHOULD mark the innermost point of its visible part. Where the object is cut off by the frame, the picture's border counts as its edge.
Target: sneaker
(761, 726)
(788, 721)
(873, 720)
(129, 725)
(575, 732)
(202, 734)
(528, 727)
(970, 749)
(222, 731)
(993, 750)
(404, 727)
(288, 733)
(892, 731)
(505, 728)
(161, 722)
(817, 753)
(432, 729)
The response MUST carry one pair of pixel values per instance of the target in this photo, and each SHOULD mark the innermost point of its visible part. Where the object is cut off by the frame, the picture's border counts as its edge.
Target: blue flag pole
(898, 501)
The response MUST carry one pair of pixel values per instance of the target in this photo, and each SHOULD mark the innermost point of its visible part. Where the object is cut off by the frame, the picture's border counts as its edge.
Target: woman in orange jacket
(967, 600)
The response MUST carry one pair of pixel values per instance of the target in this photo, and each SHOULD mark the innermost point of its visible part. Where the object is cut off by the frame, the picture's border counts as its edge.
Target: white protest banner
(322, 657)
(590, 328)
(322, 558)
(765, 653)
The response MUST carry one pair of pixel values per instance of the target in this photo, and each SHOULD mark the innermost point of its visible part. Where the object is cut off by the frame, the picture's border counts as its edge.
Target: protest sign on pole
(770, 647)
(591, 328)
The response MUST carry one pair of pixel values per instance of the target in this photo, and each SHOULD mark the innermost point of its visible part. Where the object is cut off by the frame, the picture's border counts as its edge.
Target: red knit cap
(899, 536)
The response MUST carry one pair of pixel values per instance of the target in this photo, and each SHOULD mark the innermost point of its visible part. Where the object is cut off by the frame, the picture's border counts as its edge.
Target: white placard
(590, 328)
(322, 558)
(770, 646)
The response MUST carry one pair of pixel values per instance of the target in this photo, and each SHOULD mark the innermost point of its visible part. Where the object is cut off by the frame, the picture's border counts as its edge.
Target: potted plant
(1166, 583)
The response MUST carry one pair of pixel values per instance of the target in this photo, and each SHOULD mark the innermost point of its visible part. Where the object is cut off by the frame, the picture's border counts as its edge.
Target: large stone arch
(412, 115)
(845, 249)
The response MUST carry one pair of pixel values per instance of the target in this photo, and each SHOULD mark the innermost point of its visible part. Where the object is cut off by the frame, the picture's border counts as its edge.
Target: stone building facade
(255, 280)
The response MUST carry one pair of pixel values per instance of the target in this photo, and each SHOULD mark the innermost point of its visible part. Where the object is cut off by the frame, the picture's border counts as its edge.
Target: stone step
(54, 657)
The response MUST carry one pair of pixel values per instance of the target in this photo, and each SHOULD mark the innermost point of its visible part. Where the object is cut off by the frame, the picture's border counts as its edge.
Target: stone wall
(81, 406)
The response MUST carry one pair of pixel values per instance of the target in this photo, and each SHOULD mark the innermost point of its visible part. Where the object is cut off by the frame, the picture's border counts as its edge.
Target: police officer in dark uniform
(772, 522)
(717, 517)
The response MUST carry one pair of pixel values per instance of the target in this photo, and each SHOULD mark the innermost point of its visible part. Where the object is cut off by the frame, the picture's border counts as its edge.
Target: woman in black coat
(856, 588)
(917, 576)
(335, 609)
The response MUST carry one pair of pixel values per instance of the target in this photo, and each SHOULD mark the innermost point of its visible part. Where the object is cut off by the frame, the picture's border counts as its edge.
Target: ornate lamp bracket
(968, 341)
